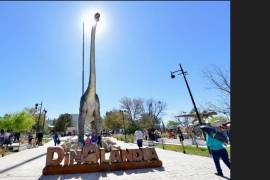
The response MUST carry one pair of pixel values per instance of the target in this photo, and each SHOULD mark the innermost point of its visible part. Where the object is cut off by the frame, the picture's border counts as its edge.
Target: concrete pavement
(28, 165)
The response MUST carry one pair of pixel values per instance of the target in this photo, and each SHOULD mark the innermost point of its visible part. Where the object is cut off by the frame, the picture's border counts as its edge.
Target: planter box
(18, 147)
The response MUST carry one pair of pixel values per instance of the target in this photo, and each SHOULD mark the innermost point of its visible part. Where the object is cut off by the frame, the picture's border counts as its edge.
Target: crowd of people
(8, 137)
(152, 135)
(93, 138)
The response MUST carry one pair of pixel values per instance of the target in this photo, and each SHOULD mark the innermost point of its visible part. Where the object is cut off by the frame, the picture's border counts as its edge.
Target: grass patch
(46, 140)
(189, 149)
(121, 137)
(200, 151)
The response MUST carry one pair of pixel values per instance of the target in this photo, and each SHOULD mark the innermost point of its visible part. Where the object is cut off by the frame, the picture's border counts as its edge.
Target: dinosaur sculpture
(89, 116)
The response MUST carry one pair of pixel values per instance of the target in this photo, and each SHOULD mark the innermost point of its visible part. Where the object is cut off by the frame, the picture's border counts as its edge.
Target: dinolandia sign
(92, 159)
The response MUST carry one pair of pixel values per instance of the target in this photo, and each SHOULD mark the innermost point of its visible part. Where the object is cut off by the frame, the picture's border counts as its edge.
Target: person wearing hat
(218, 152)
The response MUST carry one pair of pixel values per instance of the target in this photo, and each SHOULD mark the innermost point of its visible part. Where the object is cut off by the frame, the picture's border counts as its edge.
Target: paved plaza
(28, 165)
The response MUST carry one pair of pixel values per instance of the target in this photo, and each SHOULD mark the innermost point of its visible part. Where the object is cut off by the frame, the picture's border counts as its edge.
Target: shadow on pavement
(225, 177)
(17, 165)
(86, 176)
(97, 175)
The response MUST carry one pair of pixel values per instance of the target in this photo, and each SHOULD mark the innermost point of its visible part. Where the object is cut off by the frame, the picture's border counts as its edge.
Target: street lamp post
(45, 111)
(193, 102)
(40, 127)
(36, 107)
(124, 125)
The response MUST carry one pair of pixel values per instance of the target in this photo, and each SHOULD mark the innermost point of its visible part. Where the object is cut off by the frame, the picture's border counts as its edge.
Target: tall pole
(38, 128)
(197, 113)
(124, 126)
(83, 63)
(45, 111)
(38, 133)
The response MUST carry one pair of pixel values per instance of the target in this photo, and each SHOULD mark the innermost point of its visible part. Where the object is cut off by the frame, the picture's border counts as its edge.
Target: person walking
(181, 138)
(218, 151)
(139, 137)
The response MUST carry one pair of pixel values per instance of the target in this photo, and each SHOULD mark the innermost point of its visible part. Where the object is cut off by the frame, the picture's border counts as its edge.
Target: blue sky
(137, 46)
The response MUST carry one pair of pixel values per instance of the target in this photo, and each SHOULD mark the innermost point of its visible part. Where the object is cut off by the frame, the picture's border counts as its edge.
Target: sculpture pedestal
(88, 168)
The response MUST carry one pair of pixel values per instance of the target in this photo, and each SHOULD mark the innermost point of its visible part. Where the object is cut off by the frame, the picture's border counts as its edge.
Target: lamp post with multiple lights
(40, 126)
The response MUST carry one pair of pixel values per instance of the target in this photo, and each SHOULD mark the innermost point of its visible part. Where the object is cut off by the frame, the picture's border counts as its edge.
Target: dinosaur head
(97, 16)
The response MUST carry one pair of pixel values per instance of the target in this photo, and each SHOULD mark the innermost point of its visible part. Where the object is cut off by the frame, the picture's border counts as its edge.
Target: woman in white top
(139, 137)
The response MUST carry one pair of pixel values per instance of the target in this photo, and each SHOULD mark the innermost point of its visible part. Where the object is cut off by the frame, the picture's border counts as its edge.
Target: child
(88, 140)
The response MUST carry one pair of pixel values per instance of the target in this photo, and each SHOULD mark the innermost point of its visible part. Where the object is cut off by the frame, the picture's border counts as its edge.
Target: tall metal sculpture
(89, 116)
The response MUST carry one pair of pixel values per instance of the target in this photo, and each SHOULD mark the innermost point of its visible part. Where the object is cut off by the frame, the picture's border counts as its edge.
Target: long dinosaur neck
(92, 78)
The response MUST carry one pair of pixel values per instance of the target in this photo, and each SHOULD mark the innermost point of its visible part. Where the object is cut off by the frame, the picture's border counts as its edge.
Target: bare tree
(155, 110)
(133, 107)
(220, 81)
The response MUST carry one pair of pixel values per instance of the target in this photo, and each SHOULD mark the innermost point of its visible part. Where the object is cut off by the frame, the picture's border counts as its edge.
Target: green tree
(216, 119)
(113, 120)
(23, 121)
(18, 122)
(132, 127)
(6, 122)
(146, 121)
(171, 123)
(63, 121)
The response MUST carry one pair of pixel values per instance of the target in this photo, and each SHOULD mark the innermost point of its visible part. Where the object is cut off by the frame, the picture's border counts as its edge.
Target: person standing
(56, 138)
(139, 137)
(157, 135)
(146, 134)
(88, 140)
(94, 138)
(99, 140)
(218, 151)
(7, 138)
(30, 137)
(2, 136)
